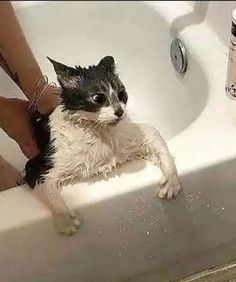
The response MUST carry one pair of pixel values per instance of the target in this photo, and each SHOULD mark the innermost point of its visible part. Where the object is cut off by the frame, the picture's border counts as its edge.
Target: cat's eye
(122, 96)
(99, 98)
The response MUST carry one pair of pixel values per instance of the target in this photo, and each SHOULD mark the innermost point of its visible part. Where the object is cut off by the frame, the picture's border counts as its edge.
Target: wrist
(3, 103)
(4, 110)
(45, 96)
(47, 103)
(2, 100)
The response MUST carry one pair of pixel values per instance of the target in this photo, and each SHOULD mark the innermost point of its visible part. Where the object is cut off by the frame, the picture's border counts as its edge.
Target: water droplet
(147, 233)
(165, 230)
(199, 192)
(123, 246)
(122, 229)
(223, 208)
(143, 219)
(131, 211)
(151, 257)
(152, 216)
(208, 206)
(119, 254)
(190, 196)
(120, 220)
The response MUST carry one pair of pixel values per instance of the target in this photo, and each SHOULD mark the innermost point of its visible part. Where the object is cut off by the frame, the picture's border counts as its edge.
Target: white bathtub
(128, 234)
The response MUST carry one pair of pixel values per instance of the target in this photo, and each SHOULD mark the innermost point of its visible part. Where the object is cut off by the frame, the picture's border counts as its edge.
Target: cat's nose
(119, 112)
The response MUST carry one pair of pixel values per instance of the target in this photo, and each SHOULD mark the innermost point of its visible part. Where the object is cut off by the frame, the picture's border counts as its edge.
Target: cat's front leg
(159, 154)
(170, 183)
(65, 220)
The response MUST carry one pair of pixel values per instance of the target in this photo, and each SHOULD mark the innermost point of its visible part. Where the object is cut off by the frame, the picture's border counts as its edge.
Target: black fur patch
(37, 168)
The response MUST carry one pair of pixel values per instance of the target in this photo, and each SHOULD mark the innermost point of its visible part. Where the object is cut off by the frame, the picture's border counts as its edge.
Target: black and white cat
(90, 134)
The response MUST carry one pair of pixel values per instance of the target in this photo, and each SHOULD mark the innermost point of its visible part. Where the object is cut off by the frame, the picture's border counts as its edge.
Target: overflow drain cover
(178, 56)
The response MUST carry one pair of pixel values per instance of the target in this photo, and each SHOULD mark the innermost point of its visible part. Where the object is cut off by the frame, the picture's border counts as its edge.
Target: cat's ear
(108, 63)
(65, 75)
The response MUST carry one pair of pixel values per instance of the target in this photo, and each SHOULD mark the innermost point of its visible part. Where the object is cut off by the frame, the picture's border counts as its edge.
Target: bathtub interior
(84, 32)
(78, 33)
(127, 234)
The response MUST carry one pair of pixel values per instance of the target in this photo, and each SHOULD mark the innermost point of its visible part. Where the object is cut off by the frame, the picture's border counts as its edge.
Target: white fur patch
(86, 150)
(107, 114)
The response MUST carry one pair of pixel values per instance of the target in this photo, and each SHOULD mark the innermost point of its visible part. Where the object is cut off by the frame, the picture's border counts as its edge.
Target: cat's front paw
(169, 187)
(67, 223)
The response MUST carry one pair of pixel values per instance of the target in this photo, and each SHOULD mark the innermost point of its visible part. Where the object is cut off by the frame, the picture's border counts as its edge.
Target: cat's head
(96, 92)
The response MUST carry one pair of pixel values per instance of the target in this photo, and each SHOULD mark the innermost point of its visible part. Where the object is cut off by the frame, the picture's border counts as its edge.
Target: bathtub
(127, 233)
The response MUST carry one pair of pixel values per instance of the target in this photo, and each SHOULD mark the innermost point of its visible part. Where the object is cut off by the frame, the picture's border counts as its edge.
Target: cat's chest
(83, 151)
(79, 142)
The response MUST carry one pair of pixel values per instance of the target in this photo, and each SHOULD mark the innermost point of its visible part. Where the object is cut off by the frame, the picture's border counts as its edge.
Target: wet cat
(89, 134)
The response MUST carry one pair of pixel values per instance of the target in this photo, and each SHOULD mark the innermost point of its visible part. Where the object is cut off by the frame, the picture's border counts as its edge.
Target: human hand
(15, 121)
(45, 97)
(48, 100)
